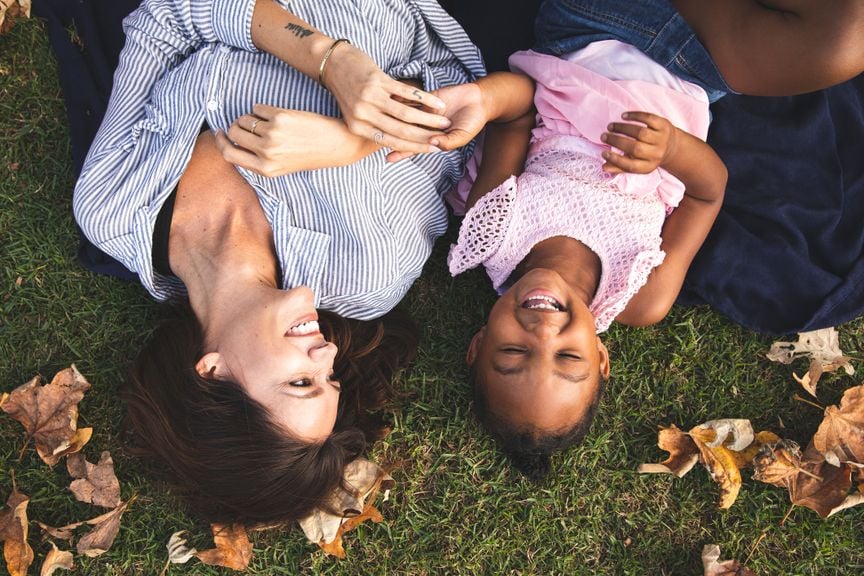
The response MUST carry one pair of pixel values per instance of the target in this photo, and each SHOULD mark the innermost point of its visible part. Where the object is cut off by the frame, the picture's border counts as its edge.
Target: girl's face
(275, 350)
(538, 357)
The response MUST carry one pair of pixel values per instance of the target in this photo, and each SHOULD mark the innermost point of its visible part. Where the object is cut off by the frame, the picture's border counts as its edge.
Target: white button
(212, 105)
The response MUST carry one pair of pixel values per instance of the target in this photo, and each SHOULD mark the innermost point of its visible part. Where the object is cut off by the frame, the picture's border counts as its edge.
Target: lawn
(457, 508)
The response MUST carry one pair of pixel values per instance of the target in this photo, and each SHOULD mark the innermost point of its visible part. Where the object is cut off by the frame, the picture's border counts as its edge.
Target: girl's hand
(391, 113)
(645, 144)
(467, 115)
(275, 141)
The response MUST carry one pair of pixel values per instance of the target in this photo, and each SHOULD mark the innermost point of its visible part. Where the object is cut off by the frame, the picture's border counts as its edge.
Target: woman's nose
(323, 353)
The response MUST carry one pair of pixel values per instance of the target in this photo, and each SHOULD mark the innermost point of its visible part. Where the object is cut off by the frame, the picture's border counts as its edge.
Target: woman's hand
(375, 106)
(647, 143)
(275, 141)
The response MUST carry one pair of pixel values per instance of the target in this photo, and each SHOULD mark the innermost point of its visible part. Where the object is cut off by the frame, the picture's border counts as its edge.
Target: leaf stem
(806, 401)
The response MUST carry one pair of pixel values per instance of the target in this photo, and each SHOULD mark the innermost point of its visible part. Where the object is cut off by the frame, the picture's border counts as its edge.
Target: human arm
(371, 102)
(780, 47)
(655, 142)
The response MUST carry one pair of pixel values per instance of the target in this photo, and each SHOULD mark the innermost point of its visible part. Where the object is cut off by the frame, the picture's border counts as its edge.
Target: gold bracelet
(327, 57)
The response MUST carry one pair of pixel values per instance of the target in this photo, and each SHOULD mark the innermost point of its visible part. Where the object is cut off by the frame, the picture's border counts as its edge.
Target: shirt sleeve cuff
(231, 21)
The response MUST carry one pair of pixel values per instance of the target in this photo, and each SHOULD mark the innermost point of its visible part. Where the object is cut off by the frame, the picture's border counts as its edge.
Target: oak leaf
(13, 533)
(840, 437)
(823, 349)
(49, 414)
(94, 483)
(713, 566)
(683, 453)
(56, 559)
(233, 548)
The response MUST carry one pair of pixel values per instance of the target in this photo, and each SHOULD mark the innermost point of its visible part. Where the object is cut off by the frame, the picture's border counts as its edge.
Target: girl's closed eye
(512, 350)
(569, 356)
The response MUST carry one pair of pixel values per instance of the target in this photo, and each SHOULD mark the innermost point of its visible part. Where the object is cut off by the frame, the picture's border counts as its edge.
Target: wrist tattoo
(298, 30)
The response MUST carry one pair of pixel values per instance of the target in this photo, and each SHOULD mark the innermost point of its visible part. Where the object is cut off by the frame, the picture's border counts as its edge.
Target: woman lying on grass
(256, 396)
(619, 189)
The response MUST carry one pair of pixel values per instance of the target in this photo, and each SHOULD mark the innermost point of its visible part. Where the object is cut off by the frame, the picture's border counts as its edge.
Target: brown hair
(529, 448)
(222, 450)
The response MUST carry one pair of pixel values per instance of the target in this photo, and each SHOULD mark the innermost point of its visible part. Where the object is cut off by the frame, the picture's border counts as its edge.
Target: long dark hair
(221, 449)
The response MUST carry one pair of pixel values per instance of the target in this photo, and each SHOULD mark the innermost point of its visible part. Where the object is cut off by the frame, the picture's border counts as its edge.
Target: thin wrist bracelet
(326, 57)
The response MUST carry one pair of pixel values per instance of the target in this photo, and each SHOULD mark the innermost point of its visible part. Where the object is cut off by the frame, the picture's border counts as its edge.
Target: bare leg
(780, 47)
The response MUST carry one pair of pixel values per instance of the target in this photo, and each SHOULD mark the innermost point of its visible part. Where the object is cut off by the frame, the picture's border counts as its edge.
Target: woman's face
(272, 346)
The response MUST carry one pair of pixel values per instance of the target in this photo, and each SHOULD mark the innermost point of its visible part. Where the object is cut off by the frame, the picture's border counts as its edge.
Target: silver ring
(378, 137)
(254, 124)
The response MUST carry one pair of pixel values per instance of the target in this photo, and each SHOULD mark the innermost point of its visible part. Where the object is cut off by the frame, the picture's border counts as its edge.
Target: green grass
(457, 508)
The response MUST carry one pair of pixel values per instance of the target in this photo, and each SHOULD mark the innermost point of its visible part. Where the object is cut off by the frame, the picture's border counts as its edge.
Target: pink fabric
(564, 192)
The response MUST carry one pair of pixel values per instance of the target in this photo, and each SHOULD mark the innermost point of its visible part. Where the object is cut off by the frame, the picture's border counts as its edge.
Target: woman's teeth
(542, 303)
(310, 327)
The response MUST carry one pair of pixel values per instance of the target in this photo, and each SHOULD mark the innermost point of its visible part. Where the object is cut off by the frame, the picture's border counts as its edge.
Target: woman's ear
(605, 366)
(474, 346)
(211, 365)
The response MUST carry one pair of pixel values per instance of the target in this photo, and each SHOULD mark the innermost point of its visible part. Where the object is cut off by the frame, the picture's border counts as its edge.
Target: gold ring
(254, 124)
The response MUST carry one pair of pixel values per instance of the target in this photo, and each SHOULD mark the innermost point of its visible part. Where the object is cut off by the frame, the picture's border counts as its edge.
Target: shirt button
(212, 105)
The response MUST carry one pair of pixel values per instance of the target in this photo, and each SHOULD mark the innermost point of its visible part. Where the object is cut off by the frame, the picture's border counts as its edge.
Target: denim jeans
(652, 26)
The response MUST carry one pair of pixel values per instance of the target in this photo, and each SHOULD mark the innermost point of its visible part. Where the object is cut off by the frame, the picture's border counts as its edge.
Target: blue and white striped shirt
(357, 235)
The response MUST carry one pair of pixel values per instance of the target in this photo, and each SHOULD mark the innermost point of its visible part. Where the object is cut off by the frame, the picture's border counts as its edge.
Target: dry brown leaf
(56, 559)
(683, 453)
(62, 533)
(822, 347)
(5, 395)
(370, 512)
(820, 486)
(713, 566)
(732, 433)
(178, 551)
(778, 463)
(13, 533)
(721, 464)
(840, 437)
(105, 528)
(11, 9)
(233, 548)
(49, 413)
(744, 458)
(94, 483)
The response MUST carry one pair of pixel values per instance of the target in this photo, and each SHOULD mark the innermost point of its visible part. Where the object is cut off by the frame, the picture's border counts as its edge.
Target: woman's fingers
(237, 155)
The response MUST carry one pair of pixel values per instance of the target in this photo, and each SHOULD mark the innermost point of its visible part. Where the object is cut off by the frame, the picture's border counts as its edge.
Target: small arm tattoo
(298, 30)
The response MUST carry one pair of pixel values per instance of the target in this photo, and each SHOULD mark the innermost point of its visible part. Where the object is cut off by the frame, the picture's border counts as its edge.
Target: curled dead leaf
(105, 528)
(56, 559)
(94, 483)
(178, 551)
(778, 463)
(13, 532)
(744, 458)
(720, 463)
(822, 347)
(49, 413)
(364, 479)
(233, 548)
(840, 437)
(713, 566)
(683, 453)
(11, 9)
(732, 433)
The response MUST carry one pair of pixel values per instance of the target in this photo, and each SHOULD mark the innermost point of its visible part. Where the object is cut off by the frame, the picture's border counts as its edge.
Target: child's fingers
(625, 163)
(651, 120)
(635, 131)
(628, 145)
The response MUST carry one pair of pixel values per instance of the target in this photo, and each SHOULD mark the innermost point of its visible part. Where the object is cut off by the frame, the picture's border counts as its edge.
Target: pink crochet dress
(564, 192)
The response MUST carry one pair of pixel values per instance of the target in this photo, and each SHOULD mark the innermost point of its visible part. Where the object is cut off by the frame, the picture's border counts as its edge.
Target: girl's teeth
(542, 303)
(310, 327)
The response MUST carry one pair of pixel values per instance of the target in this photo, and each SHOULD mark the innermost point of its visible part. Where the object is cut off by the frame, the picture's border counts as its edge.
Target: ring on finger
(378, 137)
(254, 125)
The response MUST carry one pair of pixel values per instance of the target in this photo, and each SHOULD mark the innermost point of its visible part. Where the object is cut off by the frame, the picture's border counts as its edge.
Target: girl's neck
(577, 264)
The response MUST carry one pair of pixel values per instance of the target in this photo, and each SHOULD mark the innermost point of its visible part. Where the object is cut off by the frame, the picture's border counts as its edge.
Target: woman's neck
(577, 264)
(220, 241)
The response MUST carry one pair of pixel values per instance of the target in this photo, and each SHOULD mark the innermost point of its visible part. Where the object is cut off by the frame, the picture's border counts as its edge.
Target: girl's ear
(211, 365)
(474, 346)
(605, 367)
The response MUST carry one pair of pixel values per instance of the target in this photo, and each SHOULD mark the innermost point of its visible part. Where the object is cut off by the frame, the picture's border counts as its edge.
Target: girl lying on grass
(619, 189)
